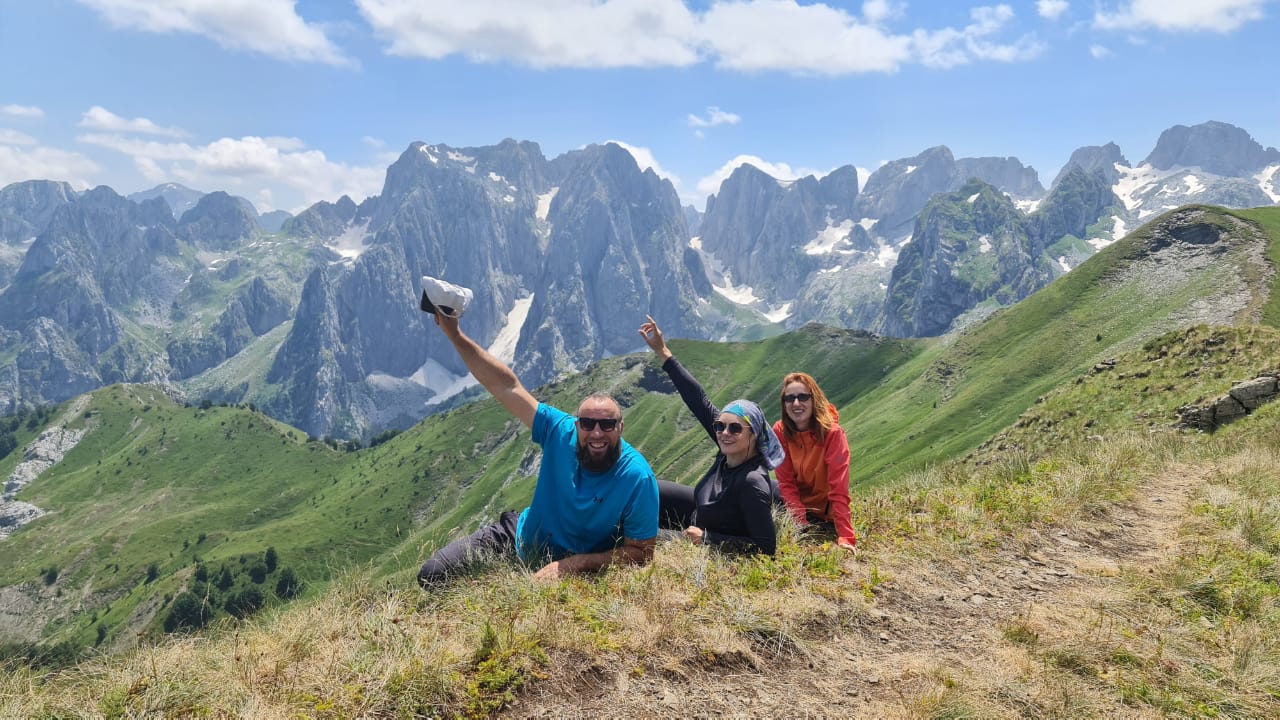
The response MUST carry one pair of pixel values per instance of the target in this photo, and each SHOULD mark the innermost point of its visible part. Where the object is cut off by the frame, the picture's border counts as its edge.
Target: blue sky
(287, 103)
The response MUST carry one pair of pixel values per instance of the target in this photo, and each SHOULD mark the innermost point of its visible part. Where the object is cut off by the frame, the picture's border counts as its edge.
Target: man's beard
(590, 464)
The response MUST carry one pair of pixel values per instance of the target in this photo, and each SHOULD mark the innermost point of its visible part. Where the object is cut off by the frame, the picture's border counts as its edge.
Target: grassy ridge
(153, 476)
(1190, 633)
(961, 392)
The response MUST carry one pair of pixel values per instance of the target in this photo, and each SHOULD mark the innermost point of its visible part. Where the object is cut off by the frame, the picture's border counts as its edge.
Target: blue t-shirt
(575, 511)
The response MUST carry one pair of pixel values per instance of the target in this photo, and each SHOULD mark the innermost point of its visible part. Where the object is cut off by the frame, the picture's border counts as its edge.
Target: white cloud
(269, 27)
(1051, 9)
(565, 33)
(100, 118)
(249, 165)
(373, 142)
(44, 163)
(740, 35)
(878, 11)
(710, 184)
(782, 35)
(1181, 15)
(22, 111)
(13, 137)
(1098, 52)
(715, 116)
(949, 47)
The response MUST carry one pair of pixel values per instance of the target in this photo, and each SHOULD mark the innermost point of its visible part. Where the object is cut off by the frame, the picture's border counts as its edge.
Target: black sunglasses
(606, 424)
(797, 397)
(733, 427)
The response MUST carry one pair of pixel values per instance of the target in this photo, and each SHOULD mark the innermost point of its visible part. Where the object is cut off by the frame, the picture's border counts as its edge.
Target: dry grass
(1132, 577)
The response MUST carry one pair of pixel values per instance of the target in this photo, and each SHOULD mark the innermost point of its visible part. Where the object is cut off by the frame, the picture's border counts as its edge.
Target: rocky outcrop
(252, 311)
(44, 452)
(896, 192)
(1006, 173)
(967, 247)
(1078, 199)
(1091, 158)
(323, 220)
(757, 228)
(218, 222)
(27, 207)
(179, 198)
(98, 253)
(1215, 147)
(1243, 398)
(273, 221)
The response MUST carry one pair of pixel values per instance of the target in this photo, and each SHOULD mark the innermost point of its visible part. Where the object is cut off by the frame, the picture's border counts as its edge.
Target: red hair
(823, 418)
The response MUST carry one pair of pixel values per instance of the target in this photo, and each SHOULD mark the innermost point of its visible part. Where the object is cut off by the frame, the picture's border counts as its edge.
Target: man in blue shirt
(592, 485)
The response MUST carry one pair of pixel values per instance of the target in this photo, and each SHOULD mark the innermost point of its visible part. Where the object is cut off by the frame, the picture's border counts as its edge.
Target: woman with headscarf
(813, 480)
(731, 506)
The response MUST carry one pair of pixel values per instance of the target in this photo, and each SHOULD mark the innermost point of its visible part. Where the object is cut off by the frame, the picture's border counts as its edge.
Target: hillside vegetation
(974, 456)
(1129, 573)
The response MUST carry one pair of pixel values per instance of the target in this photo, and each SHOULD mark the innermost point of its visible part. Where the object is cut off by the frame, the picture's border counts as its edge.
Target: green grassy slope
(949, 399)
(152, 476)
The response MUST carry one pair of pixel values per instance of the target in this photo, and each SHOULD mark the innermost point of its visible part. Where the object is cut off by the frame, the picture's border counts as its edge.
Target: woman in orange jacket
(813, 480)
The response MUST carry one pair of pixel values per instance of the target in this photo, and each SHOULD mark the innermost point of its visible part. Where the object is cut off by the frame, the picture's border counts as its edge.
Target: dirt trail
(930, 620)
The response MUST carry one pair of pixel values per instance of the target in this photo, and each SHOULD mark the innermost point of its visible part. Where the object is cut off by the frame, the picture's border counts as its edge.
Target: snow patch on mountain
(427, 150)
(1269, 182)
(351, 243)
(1062, 263)
(504, 345)
(973, 198)
(887, 256)
(460, 158)
(444, 384)
(211, 260)
(1134, 180)
(829, 238)
(779, 314)
(1026, 206)
(984, 244)
(740, 295)
(544, 202)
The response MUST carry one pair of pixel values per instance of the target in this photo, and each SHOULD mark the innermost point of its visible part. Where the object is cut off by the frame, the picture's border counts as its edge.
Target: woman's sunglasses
(733, 428)
(797, 397)
(606, 424)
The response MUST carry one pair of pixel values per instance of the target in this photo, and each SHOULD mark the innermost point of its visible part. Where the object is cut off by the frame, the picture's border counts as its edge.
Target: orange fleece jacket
(814, 477)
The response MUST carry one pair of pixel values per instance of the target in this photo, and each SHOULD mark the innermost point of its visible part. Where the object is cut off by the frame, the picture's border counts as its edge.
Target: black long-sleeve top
(733, 504)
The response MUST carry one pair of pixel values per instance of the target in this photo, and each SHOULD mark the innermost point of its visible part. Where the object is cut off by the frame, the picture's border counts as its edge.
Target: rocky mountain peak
(26, 208)
(179, 198)
(1005, 173)
(1213, 146)
(217, 222)
(1095, 157)
(322, 220)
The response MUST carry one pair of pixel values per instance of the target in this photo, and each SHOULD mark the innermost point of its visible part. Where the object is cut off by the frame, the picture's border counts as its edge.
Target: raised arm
(490, 372)
(695, 398)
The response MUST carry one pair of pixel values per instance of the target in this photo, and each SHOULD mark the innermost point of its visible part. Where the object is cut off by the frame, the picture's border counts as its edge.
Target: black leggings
(676, 504)
(465, 554)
